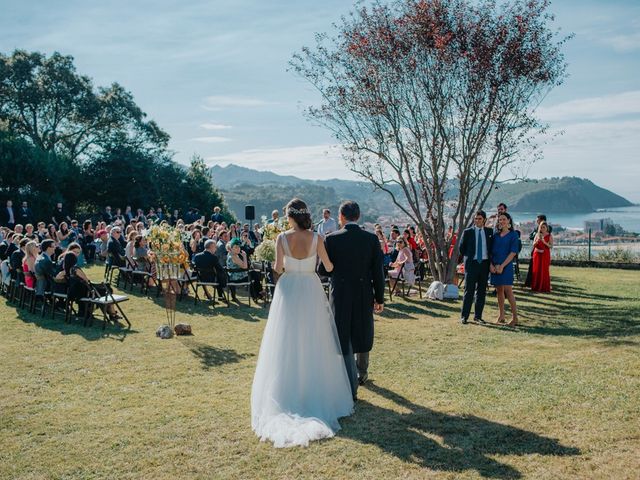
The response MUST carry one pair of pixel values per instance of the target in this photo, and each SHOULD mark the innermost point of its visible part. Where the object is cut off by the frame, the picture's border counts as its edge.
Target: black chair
(232, 285)
(199, 283)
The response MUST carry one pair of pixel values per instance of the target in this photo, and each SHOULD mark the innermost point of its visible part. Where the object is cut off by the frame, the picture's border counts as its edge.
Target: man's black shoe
(363, 379)
(479, 320)
(463, 321)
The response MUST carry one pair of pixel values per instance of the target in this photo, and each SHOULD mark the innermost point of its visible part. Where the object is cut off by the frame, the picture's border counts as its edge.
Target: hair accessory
(296, 211)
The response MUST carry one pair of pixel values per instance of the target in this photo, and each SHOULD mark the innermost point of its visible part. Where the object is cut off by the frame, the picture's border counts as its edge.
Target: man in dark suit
(209, 268)
(25, 215)
(59, 215)
(107, 216)
(45, 269)
(115, 250)
(475, 247)
(356, 291)
(217, 216)
(8, 218)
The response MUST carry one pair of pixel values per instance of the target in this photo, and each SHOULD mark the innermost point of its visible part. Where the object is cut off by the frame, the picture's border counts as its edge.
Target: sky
(213, 74)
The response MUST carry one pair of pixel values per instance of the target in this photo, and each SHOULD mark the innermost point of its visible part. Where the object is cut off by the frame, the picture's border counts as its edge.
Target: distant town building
(597, 225)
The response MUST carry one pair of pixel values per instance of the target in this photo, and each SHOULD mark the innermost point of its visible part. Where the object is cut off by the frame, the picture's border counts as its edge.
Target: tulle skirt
(300, 388)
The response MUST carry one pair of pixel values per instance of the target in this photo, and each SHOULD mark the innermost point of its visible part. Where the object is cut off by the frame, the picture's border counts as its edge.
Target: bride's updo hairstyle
(299, 212)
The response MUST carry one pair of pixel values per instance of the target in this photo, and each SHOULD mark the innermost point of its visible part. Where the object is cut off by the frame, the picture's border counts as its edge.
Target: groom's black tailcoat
(356, 280)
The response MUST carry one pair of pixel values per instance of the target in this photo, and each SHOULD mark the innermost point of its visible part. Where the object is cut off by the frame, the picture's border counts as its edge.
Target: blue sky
(213, 74)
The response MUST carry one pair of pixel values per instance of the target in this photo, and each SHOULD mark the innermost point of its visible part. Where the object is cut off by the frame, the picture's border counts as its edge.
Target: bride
(300, 388)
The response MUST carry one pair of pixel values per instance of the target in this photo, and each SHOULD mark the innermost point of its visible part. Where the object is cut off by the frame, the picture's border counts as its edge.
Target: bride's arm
(324, 256)
(279, 266)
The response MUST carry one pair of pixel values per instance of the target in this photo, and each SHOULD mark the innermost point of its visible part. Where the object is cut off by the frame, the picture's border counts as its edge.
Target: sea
(627, 217)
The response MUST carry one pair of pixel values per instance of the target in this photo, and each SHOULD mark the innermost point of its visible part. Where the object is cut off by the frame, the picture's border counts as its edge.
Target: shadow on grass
(204, 307)
(211, 356)
(412, 308)
(445, 442)
(75, 326)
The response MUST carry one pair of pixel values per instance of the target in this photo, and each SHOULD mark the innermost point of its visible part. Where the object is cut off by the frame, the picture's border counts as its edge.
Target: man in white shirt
(328, 224)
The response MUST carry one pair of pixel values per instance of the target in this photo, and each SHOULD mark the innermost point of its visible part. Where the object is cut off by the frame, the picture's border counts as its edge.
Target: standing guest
(493, 219)
(328, 224)
(403, 263)
(59, 215)
(25, 215)
(275, 215)
(504, 248)
(539, 219)
(452, 238)
(107, 216)
(8, 215)
(541, 259)
(475, 247)
(217, 216)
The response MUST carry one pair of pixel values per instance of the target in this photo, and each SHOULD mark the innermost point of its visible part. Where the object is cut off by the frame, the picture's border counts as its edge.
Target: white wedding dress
(300, 388)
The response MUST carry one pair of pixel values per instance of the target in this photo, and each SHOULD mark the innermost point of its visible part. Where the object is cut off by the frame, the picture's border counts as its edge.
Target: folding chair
(202, 284)
(238, 284)
(95, 299)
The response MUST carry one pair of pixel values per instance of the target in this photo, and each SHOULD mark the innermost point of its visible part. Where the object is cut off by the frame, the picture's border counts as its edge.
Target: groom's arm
(377, 266)
(321, 270)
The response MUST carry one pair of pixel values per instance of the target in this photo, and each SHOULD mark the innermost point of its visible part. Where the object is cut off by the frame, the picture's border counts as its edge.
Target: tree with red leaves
(434, 102)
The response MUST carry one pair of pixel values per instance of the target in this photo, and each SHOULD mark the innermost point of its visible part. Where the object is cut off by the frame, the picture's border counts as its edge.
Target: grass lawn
(559, 397)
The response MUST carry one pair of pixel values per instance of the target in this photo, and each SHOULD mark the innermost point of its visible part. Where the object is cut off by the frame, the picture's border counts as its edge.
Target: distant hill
(556, 195)
(269, 191)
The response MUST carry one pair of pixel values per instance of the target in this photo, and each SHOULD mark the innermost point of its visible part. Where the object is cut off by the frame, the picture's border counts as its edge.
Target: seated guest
(79, 283)
(115, 250)
(209, 267)
(29, 263)
(237, 260)
(404, 258)
(221, 247)
(17, 256)
(129, 250)
(255, 235)
(107, 216)
(195, 244)
(245, 244)
(59, 215)
(29, 233)
(65, 236)
(102, 243)
(88, 241)
(45, 268)
(395, 236)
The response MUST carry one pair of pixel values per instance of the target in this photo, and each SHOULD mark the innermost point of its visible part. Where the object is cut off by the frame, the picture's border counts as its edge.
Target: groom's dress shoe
(479, 320)
(463, 321)
(363, 379)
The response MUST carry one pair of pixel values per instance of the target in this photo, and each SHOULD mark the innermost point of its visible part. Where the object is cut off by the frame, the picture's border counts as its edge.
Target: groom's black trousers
(476, 278)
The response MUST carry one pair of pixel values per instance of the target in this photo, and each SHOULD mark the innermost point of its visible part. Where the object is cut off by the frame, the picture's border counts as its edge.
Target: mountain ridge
(268, 191)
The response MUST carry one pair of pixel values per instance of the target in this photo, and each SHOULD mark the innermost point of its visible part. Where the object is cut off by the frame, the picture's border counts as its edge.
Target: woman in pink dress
(29, 264)
(405, 257)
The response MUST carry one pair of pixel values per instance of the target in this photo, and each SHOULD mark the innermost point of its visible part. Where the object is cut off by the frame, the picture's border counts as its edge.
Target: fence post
(589, 244)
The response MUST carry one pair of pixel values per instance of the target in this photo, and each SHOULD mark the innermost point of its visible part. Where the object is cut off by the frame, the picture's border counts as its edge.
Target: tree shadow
(75, 326)
(445, 442)
(412, 308)
(211, 356)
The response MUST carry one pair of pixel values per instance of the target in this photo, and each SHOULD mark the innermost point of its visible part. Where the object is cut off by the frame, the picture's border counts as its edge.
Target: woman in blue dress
(503, 250)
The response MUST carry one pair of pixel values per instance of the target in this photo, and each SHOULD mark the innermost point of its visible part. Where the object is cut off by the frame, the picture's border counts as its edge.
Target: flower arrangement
(166, 244)
(266, 251)
(271, 230)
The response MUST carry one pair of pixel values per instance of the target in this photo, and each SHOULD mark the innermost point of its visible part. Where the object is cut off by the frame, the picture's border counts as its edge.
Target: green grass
(557, 398)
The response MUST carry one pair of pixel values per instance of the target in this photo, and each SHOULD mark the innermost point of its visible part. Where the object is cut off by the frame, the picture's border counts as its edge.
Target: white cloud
(312, 161)
(624, 43)
(606, 106)
(214, 126)
(211, 139)
(218, 102)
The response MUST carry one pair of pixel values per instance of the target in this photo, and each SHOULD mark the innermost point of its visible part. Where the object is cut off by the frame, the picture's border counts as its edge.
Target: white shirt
(326, 226)
(480, 231)
(11, 217)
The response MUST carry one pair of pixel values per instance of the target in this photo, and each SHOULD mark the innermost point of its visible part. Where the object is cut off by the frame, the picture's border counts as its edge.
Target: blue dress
(500, 250)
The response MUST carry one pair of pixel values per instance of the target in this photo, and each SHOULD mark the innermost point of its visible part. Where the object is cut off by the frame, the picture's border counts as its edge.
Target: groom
(357, 289)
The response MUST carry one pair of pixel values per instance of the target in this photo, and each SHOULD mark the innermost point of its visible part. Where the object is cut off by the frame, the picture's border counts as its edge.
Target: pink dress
(405, 257)
(29, 278)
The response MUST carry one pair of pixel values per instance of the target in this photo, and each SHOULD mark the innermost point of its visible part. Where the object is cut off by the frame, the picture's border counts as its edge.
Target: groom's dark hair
(350, 210)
